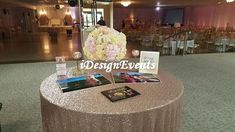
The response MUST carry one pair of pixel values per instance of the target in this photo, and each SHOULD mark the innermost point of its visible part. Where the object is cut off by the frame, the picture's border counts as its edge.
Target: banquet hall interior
(195, 38)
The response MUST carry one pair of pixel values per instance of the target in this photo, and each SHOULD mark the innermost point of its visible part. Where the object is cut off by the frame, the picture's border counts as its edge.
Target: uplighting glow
(158, 8)
(74, 13)
(229, 1)
(46, 46)
(61, 6)
(68, 12)
(42, 12)
(126, 3)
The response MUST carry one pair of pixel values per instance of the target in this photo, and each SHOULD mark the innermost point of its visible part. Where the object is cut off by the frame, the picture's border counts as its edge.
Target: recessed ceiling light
(158, 8)
(125, 3)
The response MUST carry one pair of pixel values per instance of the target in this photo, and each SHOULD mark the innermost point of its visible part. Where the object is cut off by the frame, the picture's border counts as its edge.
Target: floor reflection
(34, 47)
(29, 47)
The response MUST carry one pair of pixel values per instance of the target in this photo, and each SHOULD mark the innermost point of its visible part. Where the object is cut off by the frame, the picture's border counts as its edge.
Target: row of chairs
(169, 46)
(224, 44)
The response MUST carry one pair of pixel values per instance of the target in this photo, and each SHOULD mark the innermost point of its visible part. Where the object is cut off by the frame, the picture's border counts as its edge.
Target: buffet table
(157, 109)
(58, 28)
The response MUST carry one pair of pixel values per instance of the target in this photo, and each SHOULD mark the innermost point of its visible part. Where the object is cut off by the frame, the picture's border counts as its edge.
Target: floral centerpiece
(104, 43)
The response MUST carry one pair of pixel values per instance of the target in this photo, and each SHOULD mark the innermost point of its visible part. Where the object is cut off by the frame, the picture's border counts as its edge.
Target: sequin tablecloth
(157, 109)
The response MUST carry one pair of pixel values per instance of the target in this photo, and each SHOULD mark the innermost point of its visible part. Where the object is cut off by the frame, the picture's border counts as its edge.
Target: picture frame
(150, 59)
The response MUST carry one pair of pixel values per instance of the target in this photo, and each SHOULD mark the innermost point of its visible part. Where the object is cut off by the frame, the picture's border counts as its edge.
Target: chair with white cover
(221, 44)
(191, 46)
(225, 43)
(173, 46)
(158, 42)
(147, 41)
(218, 44)
(231, 43)
(166, 47)
(180, 46)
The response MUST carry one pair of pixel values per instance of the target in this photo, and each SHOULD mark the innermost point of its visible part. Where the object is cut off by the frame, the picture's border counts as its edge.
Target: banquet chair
(204, 41)
(166, 47)
(0, 119)
(132, 36)
(147, 41)
(221, 44)
(137, 38)
(158, 42)
(173, 46)
(225, 43)
(210, 43)
(218, 45)
(231, 44)
(180, 46)
(191, 46)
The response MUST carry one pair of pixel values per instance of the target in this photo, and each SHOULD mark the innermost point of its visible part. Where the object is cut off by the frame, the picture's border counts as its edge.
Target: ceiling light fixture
(229, 1)
(158, 3)
(158, 8)
(125, 3)
(103, 3)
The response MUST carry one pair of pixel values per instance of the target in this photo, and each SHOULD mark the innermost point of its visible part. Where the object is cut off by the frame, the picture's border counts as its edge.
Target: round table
(157, 109)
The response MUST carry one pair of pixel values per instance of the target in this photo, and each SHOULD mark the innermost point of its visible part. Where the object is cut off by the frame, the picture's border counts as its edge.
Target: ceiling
(136, 3)
(154, 3)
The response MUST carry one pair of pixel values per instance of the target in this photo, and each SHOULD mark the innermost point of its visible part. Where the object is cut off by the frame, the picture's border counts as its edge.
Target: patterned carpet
(209, 96)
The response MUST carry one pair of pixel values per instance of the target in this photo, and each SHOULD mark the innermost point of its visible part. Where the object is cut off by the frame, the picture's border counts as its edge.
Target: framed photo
(149, 62)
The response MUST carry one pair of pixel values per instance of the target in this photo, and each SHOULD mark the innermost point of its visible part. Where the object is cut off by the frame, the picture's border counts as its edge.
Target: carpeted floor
(209, 96)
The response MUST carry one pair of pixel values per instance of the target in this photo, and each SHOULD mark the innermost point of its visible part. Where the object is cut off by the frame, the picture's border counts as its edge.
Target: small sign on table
(151, 59)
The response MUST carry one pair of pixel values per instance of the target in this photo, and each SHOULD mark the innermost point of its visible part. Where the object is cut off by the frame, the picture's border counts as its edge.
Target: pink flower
(111, 51)
(91, 44)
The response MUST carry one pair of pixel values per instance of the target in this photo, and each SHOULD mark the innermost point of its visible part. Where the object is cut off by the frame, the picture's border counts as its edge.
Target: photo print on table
(120, 93)
(82, 82)
(134, 77)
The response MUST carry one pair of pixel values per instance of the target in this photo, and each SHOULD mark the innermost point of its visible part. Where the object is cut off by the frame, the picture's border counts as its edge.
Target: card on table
(151, 59)
(120, 93)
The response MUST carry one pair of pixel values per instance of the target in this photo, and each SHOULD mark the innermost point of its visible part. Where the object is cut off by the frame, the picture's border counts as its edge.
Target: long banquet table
(157, 109)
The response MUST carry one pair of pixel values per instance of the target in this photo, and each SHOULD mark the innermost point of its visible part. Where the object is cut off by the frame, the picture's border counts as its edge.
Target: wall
(214, 15)
(143, 14)
(53, 13)
(174, 15)
(17, 17)
(6, 18)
